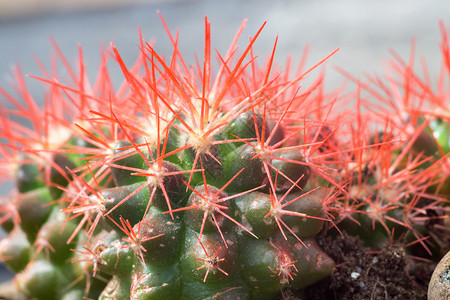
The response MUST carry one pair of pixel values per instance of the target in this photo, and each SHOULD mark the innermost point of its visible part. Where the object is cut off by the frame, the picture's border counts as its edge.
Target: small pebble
(439, 287)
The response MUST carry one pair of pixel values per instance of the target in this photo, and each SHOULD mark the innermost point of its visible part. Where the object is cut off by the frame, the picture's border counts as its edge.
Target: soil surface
(364, 274)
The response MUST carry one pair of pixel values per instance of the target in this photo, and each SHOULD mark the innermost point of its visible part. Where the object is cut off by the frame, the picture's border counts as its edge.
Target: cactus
(179, 184)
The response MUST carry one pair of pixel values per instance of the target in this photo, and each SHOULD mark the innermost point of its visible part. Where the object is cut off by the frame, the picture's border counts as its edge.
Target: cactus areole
(186, 182)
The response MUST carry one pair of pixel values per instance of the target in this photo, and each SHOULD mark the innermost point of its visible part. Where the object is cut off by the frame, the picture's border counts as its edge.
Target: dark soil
(364, 274)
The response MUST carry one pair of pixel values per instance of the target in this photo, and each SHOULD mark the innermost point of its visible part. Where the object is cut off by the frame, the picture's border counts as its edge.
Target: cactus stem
(43, 244)
(277, 207)
(135, 238)
(84, 204)
(129, 196)
(286, 268)
(210, 204)
(211, 261)
(277, 210)
(91, 257)
(8, 209)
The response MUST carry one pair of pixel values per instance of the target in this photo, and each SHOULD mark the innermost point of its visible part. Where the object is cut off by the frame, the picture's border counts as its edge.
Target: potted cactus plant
(239, 183)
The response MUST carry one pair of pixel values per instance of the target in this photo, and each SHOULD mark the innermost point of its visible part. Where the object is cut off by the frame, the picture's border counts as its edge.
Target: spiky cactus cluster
(181, 184)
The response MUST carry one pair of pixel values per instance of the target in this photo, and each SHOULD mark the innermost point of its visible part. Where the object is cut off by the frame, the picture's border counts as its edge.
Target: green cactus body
(181, 188)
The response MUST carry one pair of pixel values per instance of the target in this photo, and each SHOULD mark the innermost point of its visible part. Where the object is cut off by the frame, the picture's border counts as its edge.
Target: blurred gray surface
(363, 30)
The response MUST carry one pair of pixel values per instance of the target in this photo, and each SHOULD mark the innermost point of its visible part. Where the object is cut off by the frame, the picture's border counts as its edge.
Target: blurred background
(364, 31)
